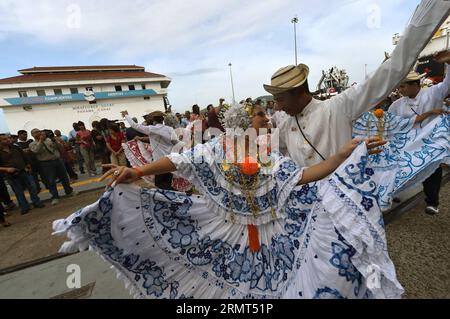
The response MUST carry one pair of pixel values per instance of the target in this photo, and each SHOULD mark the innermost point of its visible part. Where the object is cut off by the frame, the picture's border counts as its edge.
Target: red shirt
(86, 138)
(116, 144)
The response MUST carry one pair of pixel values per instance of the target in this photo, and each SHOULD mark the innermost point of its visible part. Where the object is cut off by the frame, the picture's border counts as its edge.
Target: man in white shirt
(162, 139)
(417, 102)
(424, 104)
(317, 129)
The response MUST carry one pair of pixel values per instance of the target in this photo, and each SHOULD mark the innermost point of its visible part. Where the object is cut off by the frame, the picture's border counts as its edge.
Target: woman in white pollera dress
(273, 230)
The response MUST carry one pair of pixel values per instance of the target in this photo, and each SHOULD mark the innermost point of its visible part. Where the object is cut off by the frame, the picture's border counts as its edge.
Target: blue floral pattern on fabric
(274, 183)
(183, 236)
(412, 153)
(367, 203)
(328, 293)
(342, 260)
(146, 272)
(264, 270)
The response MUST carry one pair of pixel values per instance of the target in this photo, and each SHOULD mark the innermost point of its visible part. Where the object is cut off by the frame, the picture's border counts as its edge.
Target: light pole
(295, 21)
(232, 84)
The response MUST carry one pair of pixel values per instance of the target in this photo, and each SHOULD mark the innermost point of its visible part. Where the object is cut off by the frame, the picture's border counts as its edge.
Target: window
(40, 92)
(23, 94)
(93, 102)
(89, 88)
(131, 87)
(73, 91)
(144, 87)
(118, 88)
(58, 91)
(146, 97)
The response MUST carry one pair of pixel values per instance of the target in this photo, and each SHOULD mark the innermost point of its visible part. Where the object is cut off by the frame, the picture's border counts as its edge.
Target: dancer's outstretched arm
(427, 19)
(422, 117)
(325, 168)
(125, 175)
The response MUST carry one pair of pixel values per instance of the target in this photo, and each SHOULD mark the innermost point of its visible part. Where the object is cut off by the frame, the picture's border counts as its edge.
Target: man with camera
(16, 167)
(47, 153)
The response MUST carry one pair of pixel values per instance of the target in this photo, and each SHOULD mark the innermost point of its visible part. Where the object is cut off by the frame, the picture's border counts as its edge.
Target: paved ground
(29, 237)
(419, 246)
(48, 280)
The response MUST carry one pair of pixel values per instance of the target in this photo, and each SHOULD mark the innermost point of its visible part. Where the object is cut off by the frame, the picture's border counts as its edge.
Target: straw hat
(288, 78)
(413, 76)
(157, 113)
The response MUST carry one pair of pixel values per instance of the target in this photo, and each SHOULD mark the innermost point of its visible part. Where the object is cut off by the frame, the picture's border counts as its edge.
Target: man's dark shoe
(26, 211)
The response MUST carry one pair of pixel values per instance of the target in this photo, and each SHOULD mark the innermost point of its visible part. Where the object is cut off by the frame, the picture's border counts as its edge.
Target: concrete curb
(33, 263)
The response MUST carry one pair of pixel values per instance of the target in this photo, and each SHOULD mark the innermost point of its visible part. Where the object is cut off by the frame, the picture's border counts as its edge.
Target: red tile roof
(74, 76)
(81, 68)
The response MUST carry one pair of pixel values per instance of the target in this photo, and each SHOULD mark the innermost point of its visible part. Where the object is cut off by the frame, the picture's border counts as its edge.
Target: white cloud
(193, 41)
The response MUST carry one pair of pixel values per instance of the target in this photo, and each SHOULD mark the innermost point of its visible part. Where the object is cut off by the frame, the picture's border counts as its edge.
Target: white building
(55, 97)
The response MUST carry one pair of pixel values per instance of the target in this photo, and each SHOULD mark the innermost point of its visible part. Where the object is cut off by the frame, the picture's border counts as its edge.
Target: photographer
(72, 141)
(84, 139)
(15, 166)
(47, 154)
(67, 154)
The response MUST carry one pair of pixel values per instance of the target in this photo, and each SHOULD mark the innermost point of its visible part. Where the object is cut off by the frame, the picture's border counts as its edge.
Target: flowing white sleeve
(358, 99)
(138, 127)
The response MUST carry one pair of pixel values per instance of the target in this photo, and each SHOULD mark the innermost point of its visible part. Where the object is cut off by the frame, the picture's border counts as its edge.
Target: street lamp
(295, 21)
(232, 84)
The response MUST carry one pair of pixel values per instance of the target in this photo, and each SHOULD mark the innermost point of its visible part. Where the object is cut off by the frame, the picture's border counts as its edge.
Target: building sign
(78, 97)
(92, 108)
(89, 96)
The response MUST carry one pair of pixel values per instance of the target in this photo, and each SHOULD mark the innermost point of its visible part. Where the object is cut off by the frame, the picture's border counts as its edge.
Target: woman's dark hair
(196, 109)
(114, 127)
(81, 124)
(209, 107)
(104, 124)
(76, 127)
(96, 125)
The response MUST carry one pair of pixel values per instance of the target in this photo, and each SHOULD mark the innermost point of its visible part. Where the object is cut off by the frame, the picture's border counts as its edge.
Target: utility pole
(232, 84)
(295, 21)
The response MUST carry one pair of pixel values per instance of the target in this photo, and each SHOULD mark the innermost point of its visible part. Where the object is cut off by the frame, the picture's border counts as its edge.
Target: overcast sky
(192, 41)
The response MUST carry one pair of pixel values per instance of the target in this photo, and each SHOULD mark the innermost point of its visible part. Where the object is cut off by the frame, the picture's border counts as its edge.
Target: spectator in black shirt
(14, 164)
(24, 143)
(101, 151)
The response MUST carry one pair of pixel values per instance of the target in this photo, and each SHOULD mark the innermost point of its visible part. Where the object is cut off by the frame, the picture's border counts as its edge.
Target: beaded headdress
(237, 116)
